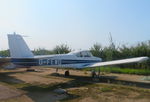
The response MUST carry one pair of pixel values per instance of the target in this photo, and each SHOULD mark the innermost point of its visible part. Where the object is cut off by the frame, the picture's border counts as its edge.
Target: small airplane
(21, 55)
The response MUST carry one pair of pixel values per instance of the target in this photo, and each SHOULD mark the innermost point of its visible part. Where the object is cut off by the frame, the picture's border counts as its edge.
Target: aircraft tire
(93, 74)
(30, 70)
(67, 73)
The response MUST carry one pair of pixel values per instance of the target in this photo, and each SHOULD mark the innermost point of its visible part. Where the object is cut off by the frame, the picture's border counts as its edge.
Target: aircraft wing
(116, 62)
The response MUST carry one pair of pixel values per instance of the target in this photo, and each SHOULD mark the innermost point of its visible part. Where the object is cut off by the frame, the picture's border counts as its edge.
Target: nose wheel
(93, 74)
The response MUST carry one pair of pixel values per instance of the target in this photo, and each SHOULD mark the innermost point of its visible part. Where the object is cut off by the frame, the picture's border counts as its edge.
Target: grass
(96, 91)
(106, 89)
(123, 70)
(101, 91)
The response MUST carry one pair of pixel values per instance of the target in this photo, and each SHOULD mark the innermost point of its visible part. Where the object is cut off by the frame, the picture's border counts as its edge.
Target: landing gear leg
(67, 73)
(95, 77)
(56, 73)
(99, 71)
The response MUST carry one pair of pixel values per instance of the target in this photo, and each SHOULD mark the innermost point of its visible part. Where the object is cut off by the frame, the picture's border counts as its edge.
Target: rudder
(18, 47)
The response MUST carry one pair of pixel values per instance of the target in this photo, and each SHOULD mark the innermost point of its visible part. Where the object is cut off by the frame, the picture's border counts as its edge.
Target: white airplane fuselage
(21, 55)
(59, 60)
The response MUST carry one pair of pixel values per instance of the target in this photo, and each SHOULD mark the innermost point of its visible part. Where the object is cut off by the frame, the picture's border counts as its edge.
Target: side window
(87, 54)
(84, 54)
(79, 54)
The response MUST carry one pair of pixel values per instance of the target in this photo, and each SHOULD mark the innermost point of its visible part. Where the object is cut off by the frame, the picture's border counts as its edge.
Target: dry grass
(107, 93)
(39, 86)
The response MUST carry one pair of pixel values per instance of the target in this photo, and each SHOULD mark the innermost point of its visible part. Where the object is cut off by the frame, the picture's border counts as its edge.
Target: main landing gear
(30, 70)
(67, 73)
(94, 75)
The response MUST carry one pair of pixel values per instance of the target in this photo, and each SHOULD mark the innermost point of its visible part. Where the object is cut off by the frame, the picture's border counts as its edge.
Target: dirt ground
(21, 86)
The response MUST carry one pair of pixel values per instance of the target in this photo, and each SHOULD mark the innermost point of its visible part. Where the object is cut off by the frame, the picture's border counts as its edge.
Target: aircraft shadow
(106, 79)
(6, 78)
(46, 90)
(78, 81)
(40, 93)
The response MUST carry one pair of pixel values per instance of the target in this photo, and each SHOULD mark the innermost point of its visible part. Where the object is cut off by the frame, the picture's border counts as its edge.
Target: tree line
(112, 52)
(107, 53)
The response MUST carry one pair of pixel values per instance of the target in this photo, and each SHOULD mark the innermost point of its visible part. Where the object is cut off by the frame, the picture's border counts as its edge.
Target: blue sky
(78, 23)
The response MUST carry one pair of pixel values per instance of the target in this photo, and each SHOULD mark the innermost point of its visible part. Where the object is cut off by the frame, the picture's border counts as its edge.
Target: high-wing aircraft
(21, 55)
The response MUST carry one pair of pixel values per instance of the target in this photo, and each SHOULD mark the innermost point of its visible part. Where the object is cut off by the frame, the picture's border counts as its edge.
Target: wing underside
(116, 62)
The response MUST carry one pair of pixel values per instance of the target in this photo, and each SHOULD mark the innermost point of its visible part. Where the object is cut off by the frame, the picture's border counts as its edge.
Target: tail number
(49, 62)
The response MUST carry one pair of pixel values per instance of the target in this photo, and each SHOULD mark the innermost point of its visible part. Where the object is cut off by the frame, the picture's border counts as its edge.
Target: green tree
(97, 50)
(42, 51)
(61, 49)
(5, 53)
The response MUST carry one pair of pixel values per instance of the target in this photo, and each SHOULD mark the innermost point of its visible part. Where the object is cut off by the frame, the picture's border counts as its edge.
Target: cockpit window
(84, 54)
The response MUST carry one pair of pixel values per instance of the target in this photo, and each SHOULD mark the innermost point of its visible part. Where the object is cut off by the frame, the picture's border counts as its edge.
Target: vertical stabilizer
(18, 47)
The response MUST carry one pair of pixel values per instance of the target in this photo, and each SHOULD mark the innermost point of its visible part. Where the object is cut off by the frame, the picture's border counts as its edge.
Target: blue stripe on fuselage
(77, 61)
(35, 62)
(25, 61)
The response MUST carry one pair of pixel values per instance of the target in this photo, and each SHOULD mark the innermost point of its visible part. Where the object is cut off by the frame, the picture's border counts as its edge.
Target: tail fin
(18, 47)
